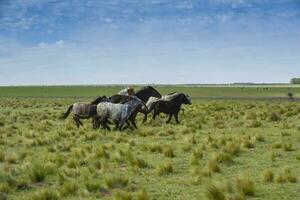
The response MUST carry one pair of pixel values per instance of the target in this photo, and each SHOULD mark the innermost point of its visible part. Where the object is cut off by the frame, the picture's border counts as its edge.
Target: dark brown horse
(171, 107)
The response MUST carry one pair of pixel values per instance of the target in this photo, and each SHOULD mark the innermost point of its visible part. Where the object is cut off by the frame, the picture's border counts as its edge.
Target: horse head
(186, 99)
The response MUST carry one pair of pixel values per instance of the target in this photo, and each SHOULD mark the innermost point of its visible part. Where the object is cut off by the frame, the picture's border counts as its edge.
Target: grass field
(214, 91)
(222, 150)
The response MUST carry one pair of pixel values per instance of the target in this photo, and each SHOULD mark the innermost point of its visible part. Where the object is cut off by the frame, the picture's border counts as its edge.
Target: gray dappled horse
(83, 110)
(119, 113)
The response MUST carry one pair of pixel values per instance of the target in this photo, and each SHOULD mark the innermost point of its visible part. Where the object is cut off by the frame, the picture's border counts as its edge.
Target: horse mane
(98, 100)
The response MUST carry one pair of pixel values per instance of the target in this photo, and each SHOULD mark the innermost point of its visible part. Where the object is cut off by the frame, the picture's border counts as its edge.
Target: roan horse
(171, 107)
(119, 113)
(84, 110)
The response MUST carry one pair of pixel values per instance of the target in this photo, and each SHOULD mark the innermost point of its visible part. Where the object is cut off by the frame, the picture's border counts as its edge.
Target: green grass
(212, 150)
(202, 91)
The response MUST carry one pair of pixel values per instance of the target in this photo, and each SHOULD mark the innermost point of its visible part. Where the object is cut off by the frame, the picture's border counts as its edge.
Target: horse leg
(117, 125)
(76, 121)
(145, 118)
(170, 117)
(133, 123)
(176, 118)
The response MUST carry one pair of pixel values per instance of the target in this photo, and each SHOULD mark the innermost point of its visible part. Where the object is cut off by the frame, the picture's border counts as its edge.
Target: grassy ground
(221, 91)
(221, 150)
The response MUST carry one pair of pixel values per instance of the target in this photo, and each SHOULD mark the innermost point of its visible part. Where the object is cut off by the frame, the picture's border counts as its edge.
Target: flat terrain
(220, 150)
(202, 91)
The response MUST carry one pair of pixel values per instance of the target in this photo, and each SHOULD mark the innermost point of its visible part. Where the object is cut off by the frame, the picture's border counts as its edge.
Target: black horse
(171, 107)
(83, 110)
(143, 94)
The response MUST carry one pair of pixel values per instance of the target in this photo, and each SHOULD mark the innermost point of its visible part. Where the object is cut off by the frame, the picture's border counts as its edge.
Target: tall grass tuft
(164, 169)
(268, 175)
(245, 185)
(116, 181)
(214, 192)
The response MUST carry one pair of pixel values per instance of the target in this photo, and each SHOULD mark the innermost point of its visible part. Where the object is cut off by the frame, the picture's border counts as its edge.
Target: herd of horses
(123, 109)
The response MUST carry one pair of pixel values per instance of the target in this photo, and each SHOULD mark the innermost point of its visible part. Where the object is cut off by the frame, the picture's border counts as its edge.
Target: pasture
(221, 150)
(195, 91)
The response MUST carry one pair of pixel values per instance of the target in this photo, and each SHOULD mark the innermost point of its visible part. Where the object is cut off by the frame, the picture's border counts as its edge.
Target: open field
(205, 91)
(221, 150)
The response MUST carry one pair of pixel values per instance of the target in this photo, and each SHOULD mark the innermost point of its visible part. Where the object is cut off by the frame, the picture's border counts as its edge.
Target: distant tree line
(295, 81)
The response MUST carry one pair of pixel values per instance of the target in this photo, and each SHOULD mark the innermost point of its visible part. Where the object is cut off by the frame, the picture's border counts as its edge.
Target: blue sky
(50, 42)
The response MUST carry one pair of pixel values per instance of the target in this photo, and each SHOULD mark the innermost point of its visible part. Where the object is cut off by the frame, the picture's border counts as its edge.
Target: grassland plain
(221, 150)
(196, 91)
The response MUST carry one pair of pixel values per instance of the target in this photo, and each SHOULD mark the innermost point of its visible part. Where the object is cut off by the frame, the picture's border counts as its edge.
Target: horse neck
(142, 95)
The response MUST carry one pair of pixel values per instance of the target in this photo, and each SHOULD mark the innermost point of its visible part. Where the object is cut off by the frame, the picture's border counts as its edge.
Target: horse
(171, 107)
(167, 97)
(127, 91)
(119, 113)
(83, 110)
(143, 94)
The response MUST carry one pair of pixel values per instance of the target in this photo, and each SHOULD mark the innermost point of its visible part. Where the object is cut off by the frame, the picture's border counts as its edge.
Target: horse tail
(68, 112)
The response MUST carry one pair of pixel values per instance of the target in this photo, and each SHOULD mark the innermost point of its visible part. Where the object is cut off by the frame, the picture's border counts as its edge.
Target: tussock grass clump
(156, 148)
(190, 139)
(186, 147)
(254, 124)
(285, 175)
(38, 172)
(260, 138)
(45, 194)
(273, 117)
(69, 188)
(245, 185)
(168, 151)
(2, 156)
(164, 169)
(288, 147)
(268, 175)
(92, 186)
(142, 195)
(101, 153)
(214, 192)
(247, 143)
(232, 148)
(11, 158)
(223, 157)
(116, 181)
(4, 188)
(213, 166)
(72, 163)
(122, 195)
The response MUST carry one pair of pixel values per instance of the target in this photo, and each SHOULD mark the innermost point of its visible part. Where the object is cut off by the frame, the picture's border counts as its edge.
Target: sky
(66, 42)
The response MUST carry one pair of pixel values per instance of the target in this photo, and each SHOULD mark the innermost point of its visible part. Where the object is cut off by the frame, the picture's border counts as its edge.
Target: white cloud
(60, 43)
